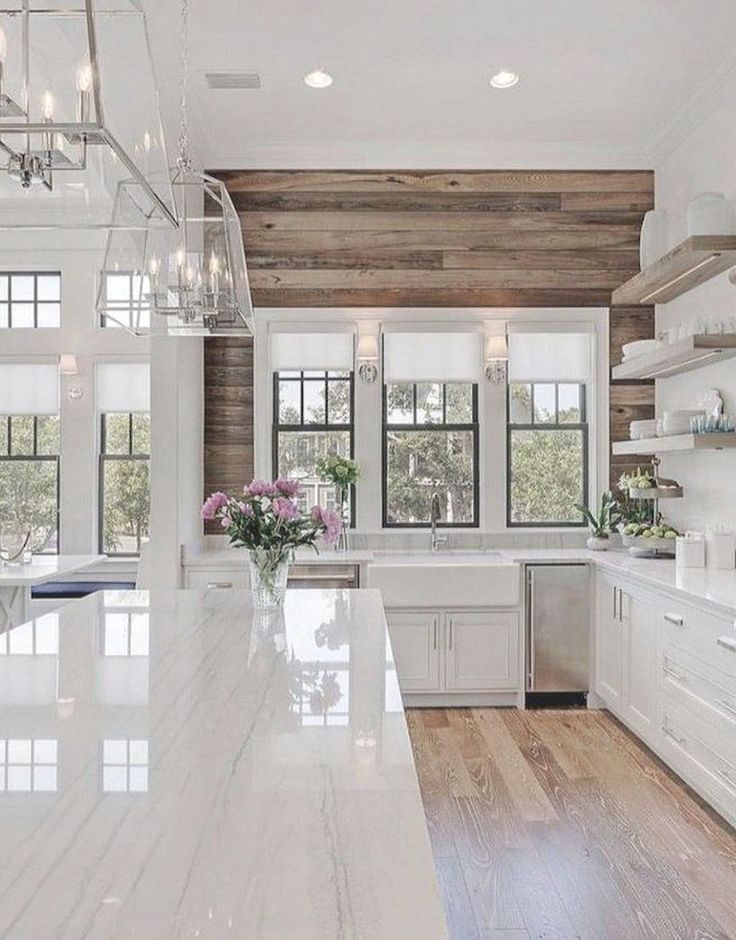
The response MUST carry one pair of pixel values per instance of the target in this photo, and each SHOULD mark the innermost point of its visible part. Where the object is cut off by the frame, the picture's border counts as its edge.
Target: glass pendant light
(78, 115)
(195, 276)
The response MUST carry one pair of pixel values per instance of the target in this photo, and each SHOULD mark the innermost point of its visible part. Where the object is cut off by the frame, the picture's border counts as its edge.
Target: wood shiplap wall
(441, 238)
(228, 415)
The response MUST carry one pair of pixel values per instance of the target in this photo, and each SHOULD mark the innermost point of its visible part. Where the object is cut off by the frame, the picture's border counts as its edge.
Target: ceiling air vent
(237, 80)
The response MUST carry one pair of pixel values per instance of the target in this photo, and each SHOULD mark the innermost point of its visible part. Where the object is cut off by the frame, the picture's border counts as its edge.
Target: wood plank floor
(560, 824)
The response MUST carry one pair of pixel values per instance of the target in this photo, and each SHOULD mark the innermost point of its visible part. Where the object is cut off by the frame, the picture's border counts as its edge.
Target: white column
(177, 419)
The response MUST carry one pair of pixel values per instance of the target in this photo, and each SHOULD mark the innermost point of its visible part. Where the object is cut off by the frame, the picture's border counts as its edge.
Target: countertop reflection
(173, 764)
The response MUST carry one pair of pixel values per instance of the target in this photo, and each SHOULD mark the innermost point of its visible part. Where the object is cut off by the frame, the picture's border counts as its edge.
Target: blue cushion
(54, 589)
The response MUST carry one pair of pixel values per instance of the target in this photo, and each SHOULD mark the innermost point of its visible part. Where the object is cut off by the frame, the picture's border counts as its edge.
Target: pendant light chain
(184, 159)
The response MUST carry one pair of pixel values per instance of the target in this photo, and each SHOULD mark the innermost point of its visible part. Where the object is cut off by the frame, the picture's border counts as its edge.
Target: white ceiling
(601, 80)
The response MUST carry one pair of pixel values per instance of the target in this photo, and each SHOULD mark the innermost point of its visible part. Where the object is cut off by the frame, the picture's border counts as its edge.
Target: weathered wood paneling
(228, 415)
(500, 238)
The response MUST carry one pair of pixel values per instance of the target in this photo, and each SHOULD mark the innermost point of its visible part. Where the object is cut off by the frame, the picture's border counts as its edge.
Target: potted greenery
(602, 524)
(343, 473)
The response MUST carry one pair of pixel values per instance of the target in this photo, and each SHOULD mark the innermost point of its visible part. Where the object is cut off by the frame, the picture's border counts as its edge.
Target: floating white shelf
(690, 353)
(696, 260)
(660, 445)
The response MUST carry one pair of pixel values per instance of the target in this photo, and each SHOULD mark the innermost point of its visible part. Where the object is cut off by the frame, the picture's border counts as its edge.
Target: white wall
(705, 160)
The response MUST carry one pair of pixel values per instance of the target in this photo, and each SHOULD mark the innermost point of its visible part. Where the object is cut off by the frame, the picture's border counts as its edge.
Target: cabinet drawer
(708, 638)
(704, 754)
(691, 685)
(219, 579)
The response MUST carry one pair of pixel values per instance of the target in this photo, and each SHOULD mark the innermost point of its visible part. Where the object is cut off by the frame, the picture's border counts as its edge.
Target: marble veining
(172, 765)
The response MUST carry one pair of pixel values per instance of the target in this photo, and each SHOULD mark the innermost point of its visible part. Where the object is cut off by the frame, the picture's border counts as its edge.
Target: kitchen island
(192, 769)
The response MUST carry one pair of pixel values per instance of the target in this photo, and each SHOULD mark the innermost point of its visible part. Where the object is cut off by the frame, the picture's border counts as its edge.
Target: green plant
(340, 471)
(608, 516)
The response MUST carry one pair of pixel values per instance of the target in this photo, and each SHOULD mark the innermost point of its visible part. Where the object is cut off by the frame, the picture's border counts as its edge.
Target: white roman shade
(29, 388)
(549, 357)
(312, 352)
(123, 386)
(432, 357)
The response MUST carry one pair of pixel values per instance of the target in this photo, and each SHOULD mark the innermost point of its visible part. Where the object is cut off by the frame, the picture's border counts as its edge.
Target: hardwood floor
(560, 824)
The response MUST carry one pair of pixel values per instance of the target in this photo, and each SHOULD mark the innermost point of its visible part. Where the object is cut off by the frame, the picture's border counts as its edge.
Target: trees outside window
(313, 417)
(430, 445)
(29, 478)
(547, 454)
(125, 492)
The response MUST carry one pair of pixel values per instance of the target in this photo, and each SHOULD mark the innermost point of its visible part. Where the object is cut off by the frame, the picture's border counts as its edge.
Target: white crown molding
(424, 155)
(691, 113)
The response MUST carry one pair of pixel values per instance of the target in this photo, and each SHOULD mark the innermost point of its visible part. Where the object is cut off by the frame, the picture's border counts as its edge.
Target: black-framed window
(547, 453)
(29, 478)
(313, 417)
(124, 299)
(125, 488)
(30, 300)
(430, 445)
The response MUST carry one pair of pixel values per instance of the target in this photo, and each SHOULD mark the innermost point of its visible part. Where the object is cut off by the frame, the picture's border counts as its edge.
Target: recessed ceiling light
(318, 79)
(504, 79)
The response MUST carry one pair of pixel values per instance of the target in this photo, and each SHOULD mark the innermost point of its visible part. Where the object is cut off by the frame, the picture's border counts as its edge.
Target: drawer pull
(727, 642)
(672, 674)
(216, 585)
(726, 706)
(727, 778)
(671, 734)
(674, 619)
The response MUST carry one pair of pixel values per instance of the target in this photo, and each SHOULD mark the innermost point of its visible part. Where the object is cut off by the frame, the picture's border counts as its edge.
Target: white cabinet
(451, 652)
(481, 650)
(667, 670)
(640, 663)
(626, 653)
(609, 643)
(415, 642)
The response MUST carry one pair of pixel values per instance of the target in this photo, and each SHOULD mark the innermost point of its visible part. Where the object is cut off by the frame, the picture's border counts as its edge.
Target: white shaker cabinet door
(640, 659)
(415, 641)
(609, 642)
(481, 651)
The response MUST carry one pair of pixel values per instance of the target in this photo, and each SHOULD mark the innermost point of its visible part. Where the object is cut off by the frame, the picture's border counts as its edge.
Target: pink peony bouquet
(267, 518)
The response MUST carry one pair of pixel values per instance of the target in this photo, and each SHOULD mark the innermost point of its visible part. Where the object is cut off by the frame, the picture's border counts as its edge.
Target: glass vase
(269, 573)
(342, 544)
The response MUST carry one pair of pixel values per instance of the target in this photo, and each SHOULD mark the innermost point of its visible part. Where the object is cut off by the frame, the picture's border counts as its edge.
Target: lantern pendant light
(194, 276)
(59, 64)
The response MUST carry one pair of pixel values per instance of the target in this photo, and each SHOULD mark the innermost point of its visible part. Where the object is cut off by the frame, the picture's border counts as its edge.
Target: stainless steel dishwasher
(557, 628)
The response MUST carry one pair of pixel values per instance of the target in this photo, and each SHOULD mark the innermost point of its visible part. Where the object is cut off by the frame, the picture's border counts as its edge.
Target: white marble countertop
(45, 568)
(228, 557)
(713, 586)
(173, 769)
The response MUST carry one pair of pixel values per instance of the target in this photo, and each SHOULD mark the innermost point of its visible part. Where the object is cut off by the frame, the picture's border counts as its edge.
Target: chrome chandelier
(194, 276)
(58, 63)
